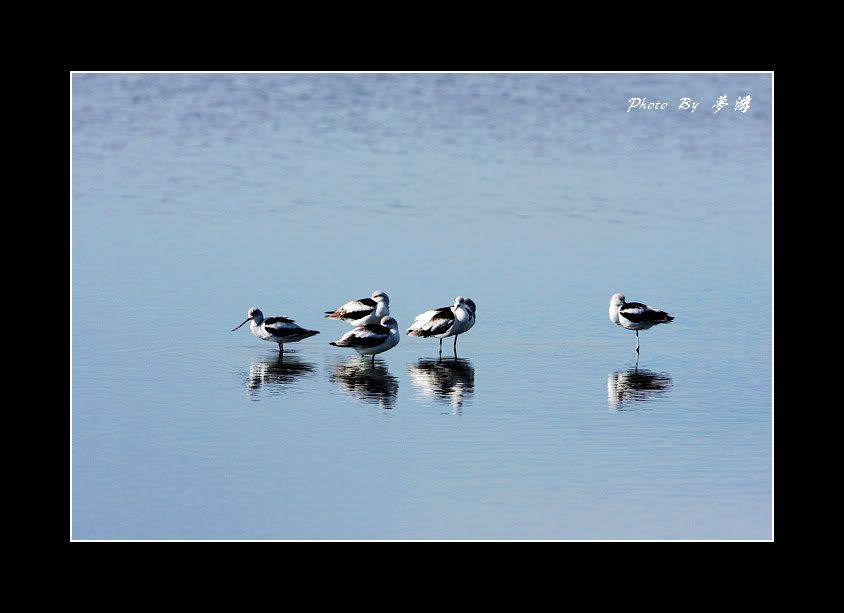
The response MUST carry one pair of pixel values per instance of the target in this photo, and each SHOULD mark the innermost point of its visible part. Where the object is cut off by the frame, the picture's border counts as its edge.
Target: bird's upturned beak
(247, 319)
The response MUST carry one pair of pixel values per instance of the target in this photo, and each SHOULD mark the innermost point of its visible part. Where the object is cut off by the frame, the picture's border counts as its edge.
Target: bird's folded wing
(427, 316)
(370, 335)
(640, 313)
(282, 329)
(278, 320)
(438, 324)
(357, 308)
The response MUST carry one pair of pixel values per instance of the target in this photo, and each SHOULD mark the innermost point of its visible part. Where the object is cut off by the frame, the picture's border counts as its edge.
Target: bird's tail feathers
(419, 332)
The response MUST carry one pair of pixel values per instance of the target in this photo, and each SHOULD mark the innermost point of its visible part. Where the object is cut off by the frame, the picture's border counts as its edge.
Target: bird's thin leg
(281, 349)
(373, 359)
(637, 341)
(441, 347)
(455, 345)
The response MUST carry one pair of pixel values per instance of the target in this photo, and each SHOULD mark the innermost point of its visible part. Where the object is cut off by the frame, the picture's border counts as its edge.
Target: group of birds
(375, 331)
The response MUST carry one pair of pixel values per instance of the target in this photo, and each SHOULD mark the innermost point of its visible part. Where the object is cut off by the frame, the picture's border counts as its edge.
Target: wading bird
(635, 315)
(275, 329)
(444, 321)
(371, 338)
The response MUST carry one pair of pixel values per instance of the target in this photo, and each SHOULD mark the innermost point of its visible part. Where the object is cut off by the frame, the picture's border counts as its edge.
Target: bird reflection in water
(277, 372)
(449, 379)
(370, 382)
(635, 385)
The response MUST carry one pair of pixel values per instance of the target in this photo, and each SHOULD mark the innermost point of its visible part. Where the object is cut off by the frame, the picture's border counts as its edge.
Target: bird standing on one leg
(635, 315)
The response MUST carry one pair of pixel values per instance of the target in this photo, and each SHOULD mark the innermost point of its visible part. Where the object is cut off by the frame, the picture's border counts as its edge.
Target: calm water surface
(196, 197)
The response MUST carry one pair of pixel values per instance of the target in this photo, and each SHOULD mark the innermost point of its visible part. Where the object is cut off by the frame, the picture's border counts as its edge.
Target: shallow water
(196, 197)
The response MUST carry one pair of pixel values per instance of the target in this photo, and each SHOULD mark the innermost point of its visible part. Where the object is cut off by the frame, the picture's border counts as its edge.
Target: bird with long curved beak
(275, 329)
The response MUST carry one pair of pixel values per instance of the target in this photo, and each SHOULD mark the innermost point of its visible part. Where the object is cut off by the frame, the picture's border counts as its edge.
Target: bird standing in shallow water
(371, 338)
(363, 311)
(275, 329)
(444, 321)
(635, 315)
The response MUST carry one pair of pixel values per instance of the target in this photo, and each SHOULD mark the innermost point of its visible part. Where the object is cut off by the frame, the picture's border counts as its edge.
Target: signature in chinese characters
(742, 104)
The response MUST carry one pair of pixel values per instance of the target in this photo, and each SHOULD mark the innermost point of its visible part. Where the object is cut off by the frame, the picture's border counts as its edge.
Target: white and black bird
(635, 315)
(371, 339)
(275, 329)
(444, 321)
(470, 304)
(363, 311)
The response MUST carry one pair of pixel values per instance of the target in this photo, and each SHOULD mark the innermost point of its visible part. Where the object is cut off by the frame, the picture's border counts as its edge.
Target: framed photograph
(473, 306)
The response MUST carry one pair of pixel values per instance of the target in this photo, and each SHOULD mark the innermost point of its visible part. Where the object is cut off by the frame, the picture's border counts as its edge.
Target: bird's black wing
(278, 320)
(640, 313)
(370, 335)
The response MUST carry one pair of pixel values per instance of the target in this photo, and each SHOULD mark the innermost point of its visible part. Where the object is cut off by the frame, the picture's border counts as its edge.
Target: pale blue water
(196, 197)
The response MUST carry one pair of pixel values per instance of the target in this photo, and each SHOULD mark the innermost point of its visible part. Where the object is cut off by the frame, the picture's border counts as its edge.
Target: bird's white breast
(462, 318)
(258, 330)
(614, 313)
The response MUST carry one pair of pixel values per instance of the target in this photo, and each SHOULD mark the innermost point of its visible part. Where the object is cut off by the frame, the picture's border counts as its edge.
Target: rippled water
(196, 197)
